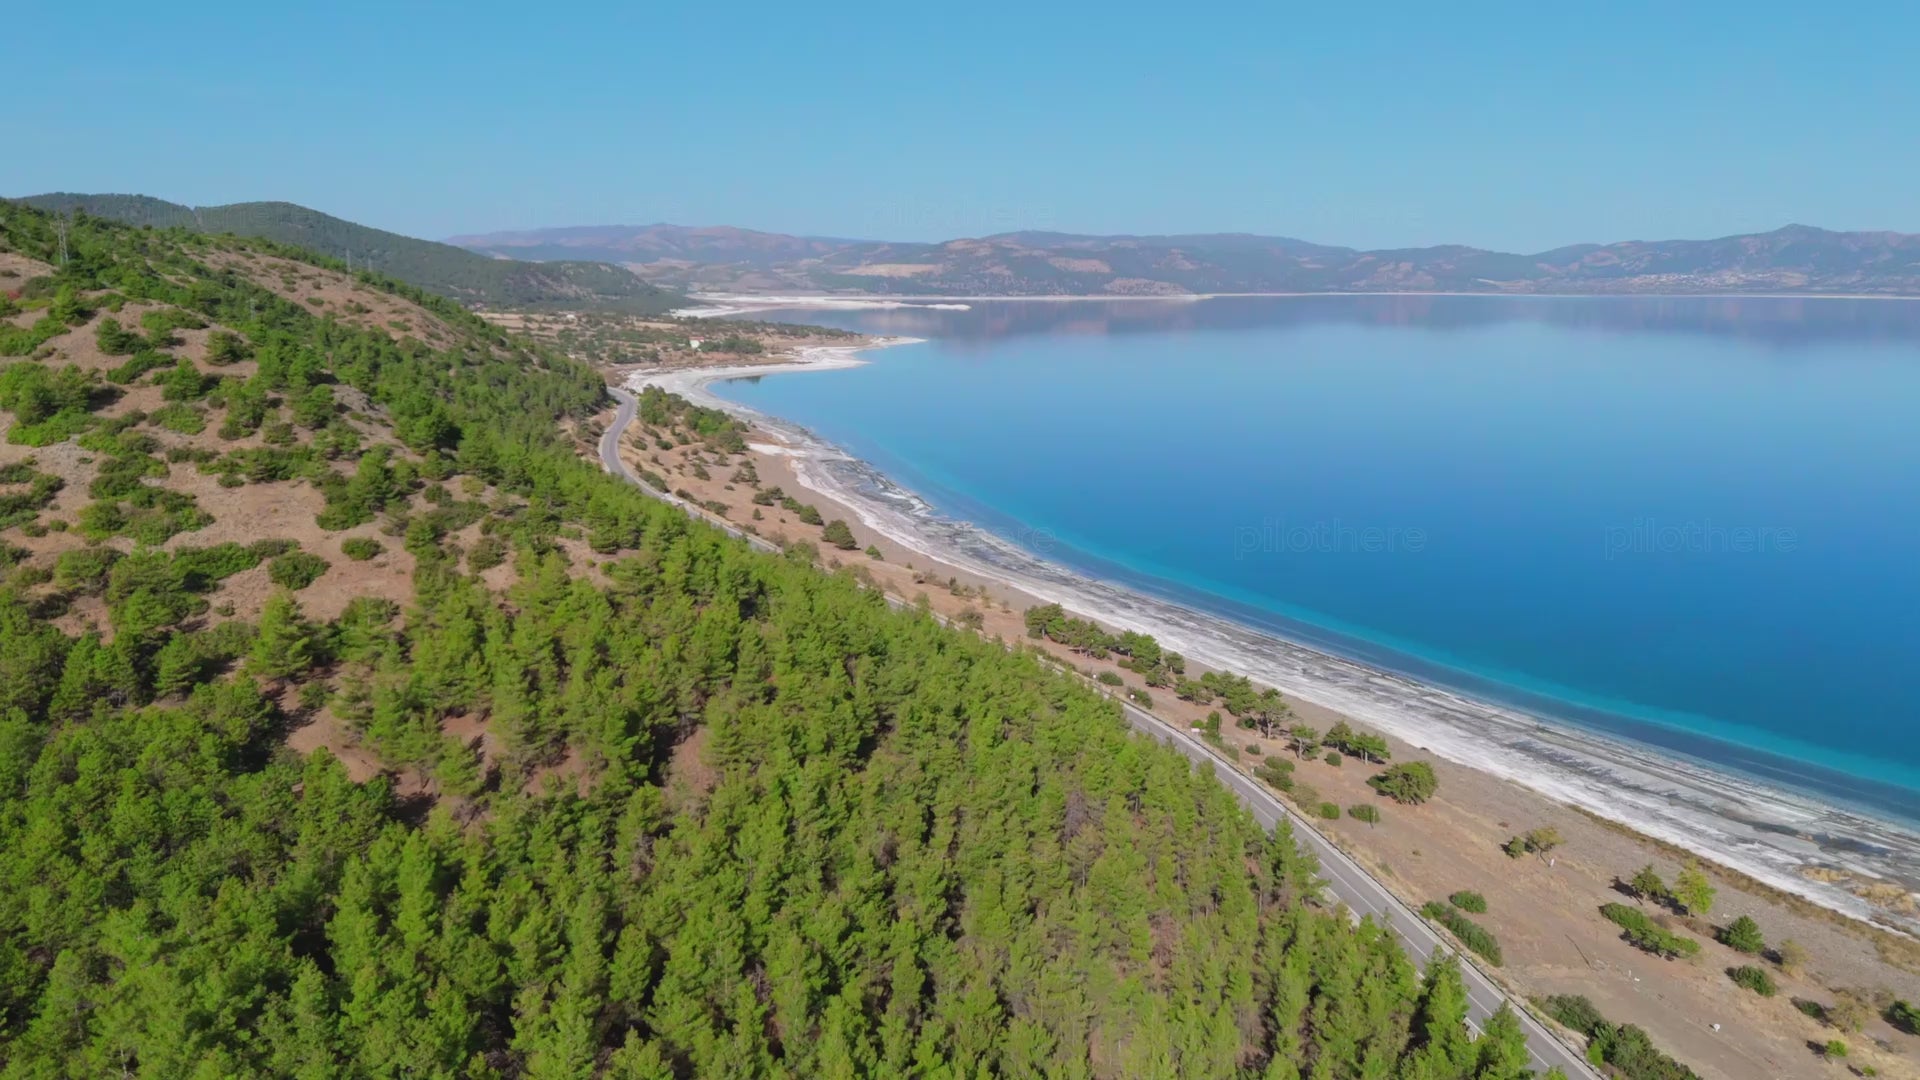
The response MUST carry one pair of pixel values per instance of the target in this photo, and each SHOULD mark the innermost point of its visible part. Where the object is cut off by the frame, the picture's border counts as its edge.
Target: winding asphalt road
(1345, 879)
(610, 461)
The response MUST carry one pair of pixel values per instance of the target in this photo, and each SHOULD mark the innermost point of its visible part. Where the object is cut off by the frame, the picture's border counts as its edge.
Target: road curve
(610, 461)
(1350, 884)
(610, 440)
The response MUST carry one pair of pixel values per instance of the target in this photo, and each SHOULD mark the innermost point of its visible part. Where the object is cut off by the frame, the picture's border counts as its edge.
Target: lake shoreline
(1774, 837)
(1547, 908)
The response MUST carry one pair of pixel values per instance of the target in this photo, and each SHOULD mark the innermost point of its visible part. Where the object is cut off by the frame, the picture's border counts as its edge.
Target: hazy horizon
(1317, 241)
(1516, 134)
(477, 233)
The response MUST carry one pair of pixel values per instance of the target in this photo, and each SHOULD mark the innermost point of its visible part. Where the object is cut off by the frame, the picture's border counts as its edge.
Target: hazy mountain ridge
(444, 269)
(1796, 258)
(668, 243)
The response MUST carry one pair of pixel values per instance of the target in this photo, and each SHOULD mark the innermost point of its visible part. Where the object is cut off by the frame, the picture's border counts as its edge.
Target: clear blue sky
(1515, 126)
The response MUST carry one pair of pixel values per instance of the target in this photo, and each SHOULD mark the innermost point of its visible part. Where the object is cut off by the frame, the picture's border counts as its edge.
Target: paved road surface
(1365, 895)
(1346, 880)
(610, 461)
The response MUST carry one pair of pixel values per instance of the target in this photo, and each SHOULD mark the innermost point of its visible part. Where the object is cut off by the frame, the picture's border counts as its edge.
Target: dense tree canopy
(736, 817)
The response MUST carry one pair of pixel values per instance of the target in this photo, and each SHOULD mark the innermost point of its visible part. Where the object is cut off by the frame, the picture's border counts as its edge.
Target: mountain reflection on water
(1760, 319)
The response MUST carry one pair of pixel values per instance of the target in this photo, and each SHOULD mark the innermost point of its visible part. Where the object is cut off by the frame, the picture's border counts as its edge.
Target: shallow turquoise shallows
(1692, 522)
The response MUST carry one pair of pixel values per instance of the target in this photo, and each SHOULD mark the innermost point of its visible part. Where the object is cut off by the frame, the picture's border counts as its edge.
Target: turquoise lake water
(1691, 522)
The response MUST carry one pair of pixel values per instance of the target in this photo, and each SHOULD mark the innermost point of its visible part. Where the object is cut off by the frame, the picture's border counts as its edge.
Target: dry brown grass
(81, 348)
(473, 731)
(288, 510)
(279, 510)
(325, 731)
(1895, 946)
(64, 460)
(690, 778)
(341, 297)
(245, 514)
(16, 270)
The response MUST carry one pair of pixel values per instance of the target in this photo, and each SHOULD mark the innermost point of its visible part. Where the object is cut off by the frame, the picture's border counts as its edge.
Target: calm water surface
(1695, 522)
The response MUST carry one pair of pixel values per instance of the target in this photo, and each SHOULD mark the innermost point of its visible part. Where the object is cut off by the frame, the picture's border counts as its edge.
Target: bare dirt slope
(337, 295)
(242, 483)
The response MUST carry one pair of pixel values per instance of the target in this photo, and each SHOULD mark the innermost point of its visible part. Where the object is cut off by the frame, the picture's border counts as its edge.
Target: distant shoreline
(723, 305)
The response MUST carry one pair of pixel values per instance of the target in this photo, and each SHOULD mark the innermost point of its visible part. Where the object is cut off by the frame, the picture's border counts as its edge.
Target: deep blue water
(1691, 521)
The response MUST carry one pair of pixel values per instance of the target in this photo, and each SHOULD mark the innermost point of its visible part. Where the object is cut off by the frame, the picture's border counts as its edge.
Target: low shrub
(1471, 934)
(1574, 1011)
(199, 569)
(84, 570)
(1468, 900)
(1644, 933)
(839, 535)
(1753, 978)
(296, 570)
(225, 347)
(361, 548)
(1623, 1048)
(1743, 935)
(116, 340)
(1276, 773)
(180, 417)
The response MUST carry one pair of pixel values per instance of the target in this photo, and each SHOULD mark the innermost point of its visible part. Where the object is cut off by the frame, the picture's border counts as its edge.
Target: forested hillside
(351, 725)
(438, 268)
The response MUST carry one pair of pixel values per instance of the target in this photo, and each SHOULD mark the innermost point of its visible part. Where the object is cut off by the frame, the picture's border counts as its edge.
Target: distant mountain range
(1796, 259)
(472, 279)
(643, 268)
